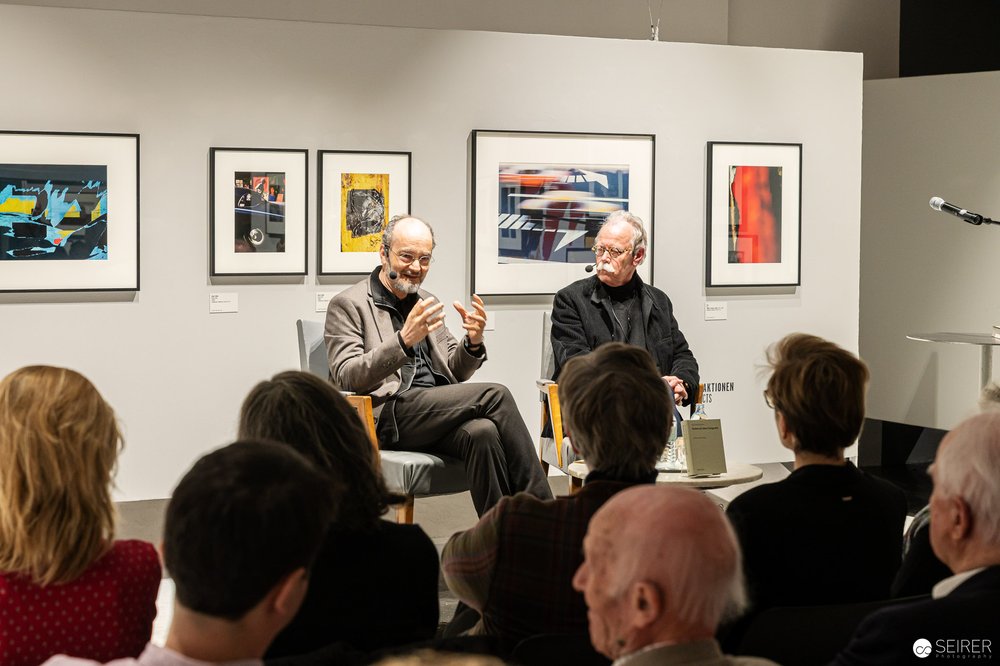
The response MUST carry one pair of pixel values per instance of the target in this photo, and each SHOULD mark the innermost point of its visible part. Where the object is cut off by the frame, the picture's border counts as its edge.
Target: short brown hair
(618, 409)
(59, 442)
(819, 388)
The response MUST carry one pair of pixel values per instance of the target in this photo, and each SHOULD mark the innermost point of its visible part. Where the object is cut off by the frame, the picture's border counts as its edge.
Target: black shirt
(419, 372)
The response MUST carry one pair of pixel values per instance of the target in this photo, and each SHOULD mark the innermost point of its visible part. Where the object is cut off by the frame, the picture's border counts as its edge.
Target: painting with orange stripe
(53, 212)
(754, 214)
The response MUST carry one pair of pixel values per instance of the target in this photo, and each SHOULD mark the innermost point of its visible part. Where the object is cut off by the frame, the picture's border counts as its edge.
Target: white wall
(921, 270)
(177, 375)
(864, 26)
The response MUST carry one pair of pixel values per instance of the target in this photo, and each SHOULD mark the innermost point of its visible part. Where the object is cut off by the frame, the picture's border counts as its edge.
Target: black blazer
(969, 612)
(581, 322)
(367, 590)
(827, 534)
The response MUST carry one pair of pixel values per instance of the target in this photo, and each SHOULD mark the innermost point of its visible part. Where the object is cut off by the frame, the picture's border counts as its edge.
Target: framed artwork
(754, 228)
(258, 211)
(69, 211)
(539, 199)
(359, 192)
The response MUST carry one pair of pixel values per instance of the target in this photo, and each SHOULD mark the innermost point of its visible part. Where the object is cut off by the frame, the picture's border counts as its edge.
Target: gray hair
(618, 409)
(968, 467)
(390, 228)
(638, 230)
(989, 399)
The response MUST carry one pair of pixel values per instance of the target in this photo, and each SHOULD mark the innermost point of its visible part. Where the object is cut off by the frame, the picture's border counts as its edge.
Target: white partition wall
(177, 374)
(921, 270)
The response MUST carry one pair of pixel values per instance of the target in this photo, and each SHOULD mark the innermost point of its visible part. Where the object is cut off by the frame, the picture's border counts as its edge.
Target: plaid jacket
(516, 565)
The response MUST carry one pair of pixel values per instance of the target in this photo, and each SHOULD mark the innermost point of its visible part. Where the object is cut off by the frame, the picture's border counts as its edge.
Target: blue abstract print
(53, 211)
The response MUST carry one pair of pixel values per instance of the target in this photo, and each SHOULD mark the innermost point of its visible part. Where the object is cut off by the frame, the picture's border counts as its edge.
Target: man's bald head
(661, 564)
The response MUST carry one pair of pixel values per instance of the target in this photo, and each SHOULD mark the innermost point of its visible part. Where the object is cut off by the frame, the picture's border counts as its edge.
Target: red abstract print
(754, 215)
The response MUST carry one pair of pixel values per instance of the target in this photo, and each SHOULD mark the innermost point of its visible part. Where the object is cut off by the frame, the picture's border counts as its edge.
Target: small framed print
(359, 192)
(754, 218)
(258, 211)
(539, 199)
(69, 211)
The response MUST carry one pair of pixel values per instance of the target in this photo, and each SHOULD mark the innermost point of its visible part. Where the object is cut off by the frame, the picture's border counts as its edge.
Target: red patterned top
(105, 614)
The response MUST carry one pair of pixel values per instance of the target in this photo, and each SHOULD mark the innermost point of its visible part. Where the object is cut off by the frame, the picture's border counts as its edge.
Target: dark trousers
(480, 424)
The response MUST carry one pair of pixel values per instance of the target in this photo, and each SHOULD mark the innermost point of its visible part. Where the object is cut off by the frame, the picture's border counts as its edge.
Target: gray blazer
(364, 352)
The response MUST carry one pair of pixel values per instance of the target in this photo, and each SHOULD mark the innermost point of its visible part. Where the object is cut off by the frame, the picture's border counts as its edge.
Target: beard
(405, 285)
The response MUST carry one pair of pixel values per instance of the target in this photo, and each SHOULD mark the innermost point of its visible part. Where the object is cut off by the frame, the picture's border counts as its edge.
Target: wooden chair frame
(362, 405)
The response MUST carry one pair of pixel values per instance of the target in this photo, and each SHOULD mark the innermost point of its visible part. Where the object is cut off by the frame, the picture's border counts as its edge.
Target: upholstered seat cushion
(418, 473)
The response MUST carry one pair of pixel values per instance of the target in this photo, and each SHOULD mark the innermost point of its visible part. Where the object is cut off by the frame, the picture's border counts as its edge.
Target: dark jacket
(827, 534)
(968, 613)
(582, 321)
(368, 590)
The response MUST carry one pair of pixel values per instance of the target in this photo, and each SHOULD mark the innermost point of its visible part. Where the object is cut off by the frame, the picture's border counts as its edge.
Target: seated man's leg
(477, 442)
(425, 417)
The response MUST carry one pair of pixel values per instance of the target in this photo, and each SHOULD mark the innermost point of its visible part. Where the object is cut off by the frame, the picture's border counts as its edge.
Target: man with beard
(615, 304)
(386, 337)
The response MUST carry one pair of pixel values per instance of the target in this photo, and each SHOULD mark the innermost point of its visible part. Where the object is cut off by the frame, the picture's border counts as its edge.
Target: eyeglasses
(408, 258)
(615, 252)
(768, 400)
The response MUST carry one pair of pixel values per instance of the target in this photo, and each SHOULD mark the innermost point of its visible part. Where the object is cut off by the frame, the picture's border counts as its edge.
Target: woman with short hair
(374, 583)
(828, 533)
(66, 586)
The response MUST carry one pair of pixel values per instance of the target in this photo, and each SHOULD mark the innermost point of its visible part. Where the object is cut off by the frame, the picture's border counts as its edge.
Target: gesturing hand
(474, 321)
(425, 316)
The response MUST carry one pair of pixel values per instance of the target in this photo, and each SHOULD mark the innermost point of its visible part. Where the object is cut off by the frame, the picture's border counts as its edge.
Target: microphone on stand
(937, 203)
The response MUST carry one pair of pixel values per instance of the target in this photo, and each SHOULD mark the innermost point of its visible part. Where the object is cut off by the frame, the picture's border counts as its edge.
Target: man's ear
(289, 592)
(639, 256)
(961, 523)
(646, 603)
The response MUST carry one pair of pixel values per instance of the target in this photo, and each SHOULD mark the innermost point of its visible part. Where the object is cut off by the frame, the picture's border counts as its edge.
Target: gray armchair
(409, 473)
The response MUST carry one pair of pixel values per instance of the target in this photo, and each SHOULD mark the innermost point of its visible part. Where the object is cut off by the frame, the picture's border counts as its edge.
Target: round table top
(984, 339)
(735, 473)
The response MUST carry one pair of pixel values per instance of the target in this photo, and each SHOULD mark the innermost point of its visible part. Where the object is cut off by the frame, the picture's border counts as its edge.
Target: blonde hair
(59, 441)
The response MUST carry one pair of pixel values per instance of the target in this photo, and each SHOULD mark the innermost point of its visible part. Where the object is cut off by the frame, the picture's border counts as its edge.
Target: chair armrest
(543, 386)
(362, 405)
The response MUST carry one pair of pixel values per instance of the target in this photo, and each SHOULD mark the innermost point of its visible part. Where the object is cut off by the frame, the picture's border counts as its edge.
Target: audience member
(828, 533)
(515, 567)
(241, 532)
(661, 569)
(65, 584)
(959, 621)
(429, 657)
(375, 583)
(921, 569)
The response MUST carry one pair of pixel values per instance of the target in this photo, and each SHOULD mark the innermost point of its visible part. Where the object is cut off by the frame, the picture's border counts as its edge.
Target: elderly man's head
(620, 247)
(617, 408)
(660, 564)
(965, 504)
